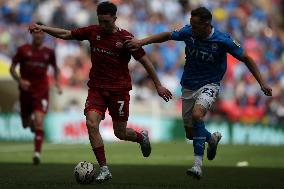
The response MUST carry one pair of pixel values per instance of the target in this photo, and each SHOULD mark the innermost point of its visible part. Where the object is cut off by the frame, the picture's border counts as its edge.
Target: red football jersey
(109, 57)
(34, 64)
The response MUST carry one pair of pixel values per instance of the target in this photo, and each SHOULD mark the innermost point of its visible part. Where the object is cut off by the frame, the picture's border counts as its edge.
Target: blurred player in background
(206, 63)
(34, 60)
(110, 82)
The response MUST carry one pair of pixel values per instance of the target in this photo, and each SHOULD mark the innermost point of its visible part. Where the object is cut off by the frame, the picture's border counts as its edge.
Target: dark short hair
(203, 13)
(106, 7)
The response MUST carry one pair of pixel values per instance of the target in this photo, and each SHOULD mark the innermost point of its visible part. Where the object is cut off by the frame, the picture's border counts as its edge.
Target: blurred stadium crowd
(256, 24)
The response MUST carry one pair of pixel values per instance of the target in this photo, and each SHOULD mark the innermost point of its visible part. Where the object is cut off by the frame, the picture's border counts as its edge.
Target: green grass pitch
(164, 169)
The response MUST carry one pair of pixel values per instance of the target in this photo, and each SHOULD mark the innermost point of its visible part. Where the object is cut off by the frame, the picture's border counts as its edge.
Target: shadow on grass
(16, 175)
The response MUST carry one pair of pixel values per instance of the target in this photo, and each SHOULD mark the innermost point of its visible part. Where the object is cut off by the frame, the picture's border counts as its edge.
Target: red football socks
(100, 155)
(38, 140)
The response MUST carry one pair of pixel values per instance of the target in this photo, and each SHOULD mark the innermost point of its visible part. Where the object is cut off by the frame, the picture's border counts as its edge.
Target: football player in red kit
(110, 82)
(34, 60)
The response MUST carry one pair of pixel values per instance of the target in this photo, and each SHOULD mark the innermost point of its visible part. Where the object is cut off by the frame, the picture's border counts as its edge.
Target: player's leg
(129, 134)
(187, 107)
(26, 110)
(200, 135)
(94, 111)
(39, 135)
(204, 99)
(93, 119)
(119, 111)
(40, 107)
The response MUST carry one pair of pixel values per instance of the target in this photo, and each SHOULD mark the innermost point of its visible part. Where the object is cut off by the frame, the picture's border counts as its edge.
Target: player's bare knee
(38, 123)
(93, 125)
(197, 116)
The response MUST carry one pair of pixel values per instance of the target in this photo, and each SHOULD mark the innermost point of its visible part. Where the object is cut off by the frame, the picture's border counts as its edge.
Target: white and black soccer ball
(84, 172)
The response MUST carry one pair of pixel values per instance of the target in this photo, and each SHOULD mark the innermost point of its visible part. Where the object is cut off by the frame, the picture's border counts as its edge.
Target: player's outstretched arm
(249, 62)
(55, 32)
(135, 44)
(162, 91)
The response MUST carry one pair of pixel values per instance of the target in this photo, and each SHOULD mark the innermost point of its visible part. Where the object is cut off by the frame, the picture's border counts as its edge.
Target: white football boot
(212, 145)
(36, 158)
(104, 175)
(195, 172)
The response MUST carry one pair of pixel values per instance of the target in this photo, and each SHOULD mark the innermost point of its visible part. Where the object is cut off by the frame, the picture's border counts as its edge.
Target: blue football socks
(200, 136)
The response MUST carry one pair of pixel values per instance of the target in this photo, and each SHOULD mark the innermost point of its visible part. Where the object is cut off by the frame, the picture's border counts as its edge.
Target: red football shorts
(117, 102)
(30, 103)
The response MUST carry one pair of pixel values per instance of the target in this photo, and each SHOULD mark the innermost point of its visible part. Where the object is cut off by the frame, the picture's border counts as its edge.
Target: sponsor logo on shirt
(36, 64)
(104, 51)
(98, 37)
(199, 54)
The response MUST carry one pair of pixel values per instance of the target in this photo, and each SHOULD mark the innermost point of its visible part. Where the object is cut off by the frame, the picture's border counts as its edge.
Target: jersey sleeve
(179, 35)
(138, 53)
(82, 33)
(234, 48)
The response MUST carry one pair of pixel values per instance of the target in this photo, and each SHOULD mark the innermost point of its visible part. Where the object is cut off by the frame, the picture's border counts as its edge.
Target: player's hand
(34, 27)
(266, 90)
(133, 44)
(164, 93)
(24, 84)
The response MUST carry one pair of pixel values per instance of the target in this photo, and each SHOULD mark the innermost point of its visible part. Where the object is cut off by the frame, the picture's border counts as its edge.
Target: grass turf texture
(164, 169)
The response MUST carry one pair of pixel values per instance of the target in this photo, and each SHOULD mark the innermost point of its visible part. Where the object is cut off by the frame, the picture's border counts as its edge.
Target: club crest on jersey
(29, 53)
(119, 44)
(46, 56)
(214, 46)
(98, 37)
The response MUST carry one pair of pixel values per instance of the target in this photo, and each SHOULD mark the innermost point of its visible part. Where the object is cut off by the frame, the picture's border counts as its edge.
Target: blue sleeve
(179, 35)
(234, 48)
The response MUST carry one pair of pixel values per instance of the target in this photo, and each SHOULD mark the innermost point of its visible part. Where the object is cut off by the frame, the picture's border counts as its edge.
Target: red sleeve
(82, 33)
(138, 53)
(17, 58)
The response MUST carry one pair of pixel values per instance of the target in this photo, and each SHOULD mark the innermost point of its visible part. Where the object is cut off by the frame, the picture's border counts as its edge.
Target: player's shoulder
(48, 49)
(125, 34)
(222, 36)
(94, 26)
(185, 28)
(24, 48)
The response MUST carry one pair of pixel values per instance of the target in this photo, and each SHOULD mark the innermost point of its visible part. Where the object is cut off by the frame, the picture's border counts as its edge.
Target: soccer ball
(84, 172)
